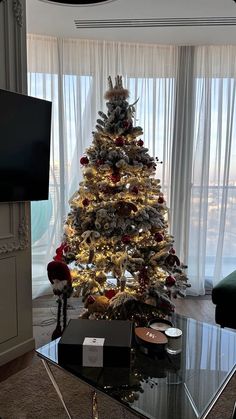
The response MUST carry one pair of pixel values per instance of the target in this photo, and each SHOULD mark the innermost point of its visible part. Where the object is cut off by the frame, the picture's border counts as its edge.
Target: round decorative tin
(150, 339)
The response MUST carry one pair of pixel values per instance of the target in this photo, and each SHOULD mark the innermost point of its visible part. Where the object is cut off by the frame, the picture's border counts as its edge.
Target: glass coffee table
(160, 385)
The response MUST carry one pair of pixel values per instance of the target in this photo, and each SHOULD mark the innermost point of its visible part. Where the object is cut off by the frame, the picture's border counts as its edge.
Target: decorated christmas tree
(116, 242)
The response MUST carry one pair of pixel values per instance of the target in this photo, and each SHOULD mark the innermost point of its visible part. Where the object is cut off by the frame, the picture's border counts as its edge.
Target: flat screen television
(25, 129)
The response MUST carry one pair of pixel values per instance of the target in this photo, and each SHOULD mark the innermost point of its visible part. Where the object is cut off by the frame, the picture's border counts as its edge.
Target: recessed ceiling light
(78, 3)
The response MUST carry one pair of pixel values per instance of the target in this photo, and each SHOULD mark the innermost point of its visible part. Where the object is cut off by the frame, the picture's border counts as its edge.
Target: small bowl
(160, 325)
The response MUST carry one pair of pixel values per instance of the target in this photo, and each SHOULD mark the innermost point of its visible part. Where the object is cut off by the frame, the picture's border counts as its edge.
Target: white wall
(16, 334)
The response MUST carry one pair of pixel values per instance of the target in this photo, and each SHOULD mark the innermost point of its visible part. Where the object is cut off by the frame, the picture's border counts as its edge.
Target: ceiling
(179, 22)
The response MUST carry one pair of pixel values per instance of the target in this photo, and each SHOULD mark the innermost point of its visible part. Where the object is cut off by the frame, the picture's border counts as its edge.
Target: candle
(174, 336)
(162, 327)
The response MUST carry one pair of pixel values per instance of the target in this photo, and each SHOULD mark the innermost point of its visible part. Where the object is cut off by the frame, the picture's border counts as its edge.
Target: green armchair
(224, 297)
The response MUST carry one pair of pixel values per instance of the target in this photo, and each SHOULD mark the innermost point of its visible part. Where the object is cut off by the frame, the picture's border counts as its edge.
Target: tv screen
(25, 128)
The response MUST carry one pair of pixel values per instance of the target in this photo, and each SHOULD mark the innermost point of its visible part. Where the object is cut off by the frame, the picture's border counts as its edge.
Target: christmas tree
(116, 241)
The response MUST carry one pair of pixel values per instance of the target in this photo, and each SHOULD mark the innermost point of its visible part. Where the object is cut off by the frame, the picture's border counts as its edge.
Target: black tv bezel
(26, 192)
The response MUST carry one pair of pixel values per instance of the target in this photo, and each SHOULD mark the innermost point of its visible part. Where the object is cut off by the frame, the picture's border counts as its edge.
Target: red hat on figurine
(60, 277)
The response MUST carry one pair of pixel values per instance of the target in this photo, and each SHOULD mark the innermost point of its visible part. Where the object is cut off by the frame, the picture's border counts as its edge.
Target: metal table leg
(51, 376)
(233, 416)
(95, 406)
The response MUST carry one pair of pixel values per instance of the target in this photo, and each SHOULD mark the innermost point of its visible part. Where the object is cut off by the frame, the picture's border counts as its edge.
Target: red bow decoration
(60, 252)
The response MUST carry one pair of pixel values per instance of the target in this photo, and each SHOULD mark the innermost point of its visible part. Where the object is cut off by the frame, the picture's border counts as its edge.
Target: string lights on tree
(116, 241)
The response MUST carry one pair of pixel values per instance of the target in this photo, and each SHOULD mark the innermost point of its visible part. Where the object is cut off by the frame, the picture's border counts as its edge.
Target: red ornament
(124, 208)
(161, 200)
(84, 160)
(171, 260)
(119, 142)
(126, 239)
(135, 190)
(126, 124)
(110, 293)
(172, 250)
(90, 299)
(85, 202)
(159, 237)
(140, 143)
(115, 177)
(170, 281)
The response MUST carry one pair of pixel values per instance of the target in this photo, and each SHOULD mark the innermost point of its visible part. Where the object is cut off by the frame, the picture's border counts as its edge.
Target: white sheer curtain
(73, 74)
(212, 234)
(187, 109)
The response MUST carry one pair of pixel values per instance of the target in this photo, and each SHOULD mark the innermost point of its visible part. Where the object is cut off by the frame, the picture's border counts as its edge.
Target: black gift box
(117, 344)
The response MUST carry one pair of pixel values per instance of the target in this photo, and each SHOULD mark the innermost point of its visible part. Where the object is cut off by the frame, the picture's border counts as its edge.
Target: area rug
(29, 395)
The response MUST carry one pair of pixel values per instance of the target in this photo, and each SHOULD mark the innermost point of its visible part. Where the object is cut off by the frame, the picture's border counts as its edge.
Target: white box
(93, 352)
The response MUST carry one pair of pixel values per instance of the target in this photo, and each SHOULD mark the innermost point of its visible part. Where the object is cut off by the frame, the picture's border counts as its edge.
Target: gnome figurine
(60, 278)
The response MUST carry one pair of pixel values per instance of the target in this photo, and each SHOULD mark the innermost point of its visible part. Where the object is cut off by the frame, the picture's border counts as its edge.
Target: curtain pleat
(182, 153)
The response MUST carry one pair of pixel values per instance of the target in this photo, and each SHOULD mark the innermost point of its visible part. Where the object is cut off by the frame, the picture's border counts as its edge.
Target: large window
(186, 106)
(213, 199)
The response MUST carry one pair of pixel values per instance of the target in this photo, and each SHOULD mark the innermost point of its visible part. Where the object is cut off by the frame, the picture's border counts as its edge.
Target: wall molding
(18, 236)
(13, 69)
(18, 12)
(21, 243)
